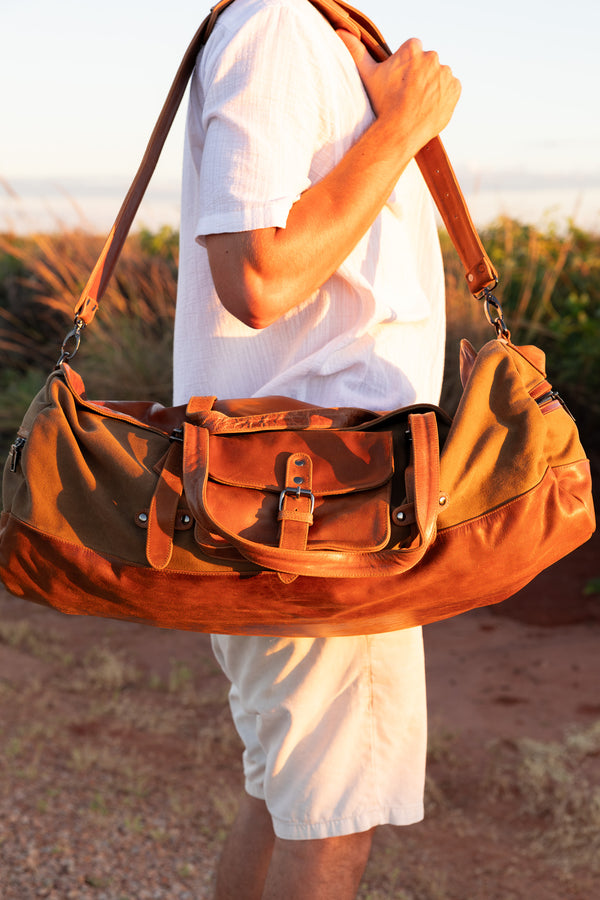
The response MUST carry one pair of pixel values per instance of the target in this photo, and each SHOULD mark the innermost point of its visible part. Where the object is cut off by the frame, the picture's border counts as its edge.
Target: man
(310, 268)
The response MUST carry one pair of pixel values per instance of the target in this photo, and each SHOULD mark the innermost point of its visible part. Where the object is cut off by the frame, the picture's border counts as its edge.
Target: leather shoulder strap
(432, 161)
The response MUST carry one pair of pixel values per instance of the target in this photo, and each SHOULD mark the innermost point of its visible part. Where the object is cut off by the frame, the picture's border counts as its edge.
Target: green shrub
(128, 349)
(550, 294)
(549, 290)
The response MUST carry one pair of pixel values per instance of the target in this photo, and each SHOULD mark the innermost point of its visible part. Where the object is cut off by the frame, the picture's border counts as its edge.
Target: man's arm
(260, 275)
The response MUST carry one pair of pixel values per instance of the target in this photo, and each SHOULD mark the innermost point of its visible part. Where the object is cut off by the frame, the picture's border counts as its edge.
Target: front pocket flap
(360, 522)
(343, 461)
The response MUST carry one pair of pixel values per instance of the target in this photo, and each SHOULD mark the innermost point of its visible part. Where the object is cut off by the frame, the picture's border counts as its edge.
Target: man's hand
(410, 89)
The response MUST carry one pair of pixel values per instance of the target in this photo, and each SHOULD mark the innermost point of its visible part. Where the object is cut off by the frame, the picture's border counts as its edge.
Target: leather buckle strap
(296, 506)
(162, 514)
(296, 502)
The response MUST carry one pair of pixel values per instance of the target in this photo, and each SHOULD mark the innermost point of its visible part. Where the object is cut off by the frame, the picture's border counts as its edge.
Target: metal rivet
(443, 500)
(143, 517)
(400, 515)
(185, 519)
(298, 480)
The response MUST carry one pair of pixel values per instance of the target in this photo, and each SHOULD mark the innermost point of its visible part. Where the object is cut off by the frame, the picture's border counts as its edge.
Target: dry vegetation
(120, 772)
(103, 765)
(550, 283)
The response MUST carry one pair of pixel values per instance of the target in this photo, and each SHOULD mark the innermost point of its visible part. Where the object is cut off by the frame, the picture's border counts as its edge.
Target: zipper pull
(15, 453)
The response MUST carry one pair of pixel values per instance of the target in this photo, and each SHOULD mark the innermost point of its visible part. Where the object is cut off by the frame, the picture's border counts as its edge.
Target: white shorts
(334, 729)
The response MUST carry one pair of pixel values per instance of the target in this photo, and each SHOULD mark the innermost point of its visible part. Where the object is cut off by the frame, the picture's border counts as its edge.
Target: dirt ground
(120, 771)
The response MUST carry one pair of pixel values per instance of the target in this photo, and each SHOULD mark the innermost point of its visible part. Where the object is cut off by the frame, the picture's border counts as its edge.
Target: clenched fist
(411, 88)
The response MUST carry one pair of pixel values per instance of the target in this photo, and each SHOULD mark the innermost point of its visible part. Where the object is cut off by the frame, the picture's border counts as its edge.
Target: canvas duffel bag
(270, 516)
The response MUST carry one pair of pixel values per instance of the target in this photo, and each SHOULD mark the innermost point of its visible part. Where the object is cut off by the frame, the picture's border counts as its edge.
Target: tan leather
(296, 503)
(296, 506)
(163, 510)
(95, 519)
(351, 486)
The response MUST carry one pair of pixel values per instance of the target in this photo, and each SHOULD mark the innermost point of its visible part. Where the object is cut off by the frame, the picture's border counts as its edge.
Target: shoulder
(242, 11)
(272, 41)
(288, 20)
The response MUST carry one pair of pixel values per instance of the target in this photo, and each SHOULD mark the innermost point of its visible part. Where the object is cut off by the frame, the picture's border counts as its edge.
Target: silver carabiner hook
(75, 336)
(489, 303)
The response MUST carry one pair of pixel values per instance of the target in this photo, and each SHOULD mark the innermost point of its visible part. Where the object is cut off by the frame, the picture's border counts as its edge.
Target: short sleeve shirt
(276, 101)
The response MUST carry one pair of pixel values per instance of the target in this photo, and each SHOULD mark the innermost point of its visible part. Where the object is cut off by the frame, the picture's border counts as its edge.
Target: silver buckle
(298, 492)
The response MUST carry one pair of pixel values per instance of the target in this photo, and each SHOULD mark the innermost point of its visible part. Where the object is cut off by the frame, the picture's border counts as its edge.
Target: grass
(533, 803)
(105, 670)
(91, 748)
(548, 282)
(151, 760)
(37, 642)
(556, 788)
(130, 343)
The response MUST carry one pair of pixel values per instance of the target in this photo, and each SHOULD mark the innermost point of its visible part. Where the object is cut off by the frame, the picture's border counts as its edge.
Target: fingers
(411, 47)
(412, 51)
(361, 56)
(455, 87)
(411, 86)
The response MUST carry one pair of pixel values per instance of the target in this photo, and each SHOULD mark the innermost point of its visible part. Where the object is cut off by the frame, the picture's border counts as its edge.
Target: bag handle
(432, 160)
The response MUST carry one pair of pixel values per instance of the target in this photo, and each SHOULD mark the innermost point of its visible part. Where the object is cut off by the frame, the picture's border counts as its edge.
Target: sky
(82, 84)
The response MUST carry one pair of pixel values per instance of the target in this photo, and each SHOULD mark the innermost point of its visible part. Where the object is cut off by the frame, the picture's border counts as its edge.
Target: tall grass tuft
(550, 294)
(550, 290)
(558, 796)
(127, 350)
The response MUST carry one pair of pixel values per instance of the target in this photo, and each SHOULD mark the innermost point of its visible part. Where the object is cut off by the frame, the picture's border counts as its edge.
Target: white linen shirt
(262, 128)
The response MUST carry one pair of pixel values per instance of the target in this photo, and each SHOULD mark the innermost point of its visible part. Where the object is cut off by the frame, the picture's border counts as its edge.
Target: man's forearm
(260, 275)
